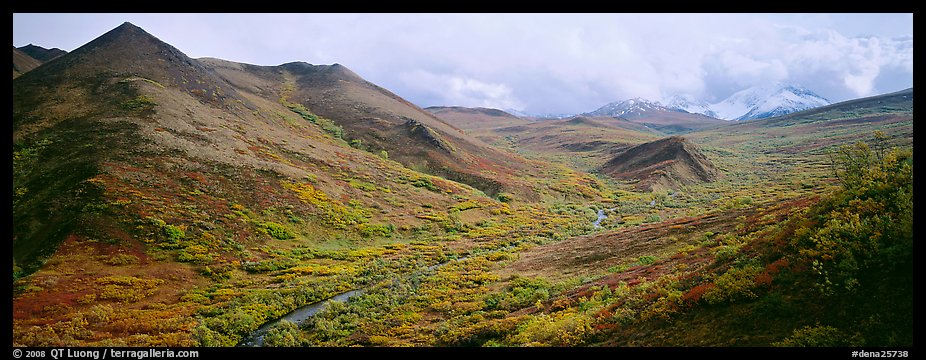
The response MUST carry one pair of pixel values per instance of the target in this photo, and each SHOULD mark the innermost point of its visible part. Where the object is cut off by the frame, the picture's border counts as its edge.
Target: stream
(601, 216)
(302, 314)
(298, 316)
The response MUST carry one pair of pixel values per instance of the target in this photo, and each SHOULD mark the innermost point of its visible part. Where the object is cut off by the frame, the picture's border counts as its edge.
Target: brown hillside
(674, 122)
(381, 120)
(475, 118)
(664, 163)
(130, 118)
(23, 63)
(590, 140)
(120, 150)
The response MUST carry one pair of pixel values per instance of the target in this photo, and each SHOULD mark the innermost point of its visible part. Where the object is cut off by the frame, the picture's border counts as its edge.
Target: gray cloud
(544, 63)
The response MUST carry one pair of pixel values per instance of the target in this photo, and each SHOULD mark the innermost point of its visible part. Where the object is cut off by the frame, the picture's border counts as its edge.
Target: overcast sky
(539, 63)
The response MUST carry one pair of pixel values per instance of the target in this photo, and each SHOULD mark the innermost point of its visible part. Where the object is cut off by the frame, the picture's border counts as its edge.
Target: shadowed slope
(664, 163)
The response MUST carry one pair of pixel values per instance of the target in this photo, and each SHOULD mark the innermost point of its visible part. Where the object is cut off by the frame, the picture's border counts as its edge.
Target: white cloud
(462, 91)
(543, 62)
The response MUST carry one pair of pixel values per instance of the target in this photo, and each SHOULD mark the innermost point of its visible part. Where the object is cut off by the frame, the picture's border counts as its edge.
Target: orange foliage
(693, 295)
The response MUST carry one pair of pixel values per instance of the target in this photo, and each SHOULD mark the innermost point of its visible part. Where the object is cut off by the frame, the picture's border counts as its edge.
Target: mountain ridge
(756, 102)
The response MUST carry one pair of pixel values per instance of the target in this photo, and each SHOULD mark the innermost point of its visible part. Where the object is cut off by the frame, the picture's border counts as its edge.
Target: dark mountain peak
(127, 26)
(128, 51)
(42, 54)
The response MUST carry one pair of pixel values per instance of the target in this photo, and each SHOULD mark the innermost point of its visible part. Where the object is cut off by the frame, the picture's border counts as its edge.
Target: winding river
(302, 314)
(298, 316)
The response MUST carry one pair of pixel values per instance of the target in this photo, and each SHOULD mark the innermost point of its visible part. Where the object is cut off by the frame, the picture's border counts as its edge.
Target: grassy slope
(162, 206)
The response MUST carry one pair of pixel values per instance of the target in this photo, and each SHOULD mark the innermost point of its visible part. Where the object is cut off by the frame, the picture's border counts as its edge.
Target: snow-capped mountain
(760, 102)
(689, 104)
(630, 109)
(756, 102)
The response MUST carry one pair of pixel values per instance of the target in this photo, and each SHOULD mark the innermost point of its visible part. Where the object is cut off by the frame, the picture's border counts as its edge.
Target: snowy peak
(630, 109)
(757, 102)
(689, 104)
(760, 102)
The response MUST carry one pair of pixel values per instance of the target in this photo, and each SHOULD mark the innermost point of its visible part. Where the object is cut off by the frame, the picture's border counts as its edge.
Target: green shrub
(277, 231)
(868, 226)
(562, 328)
(370, 230)
(818, 336)
(735, 284)
(521, 292)
(173, 233)
(646, 259)
(195, 253)
(326, 124)
(285, 334)
(122, 259)
(362, 185)
(267, 265)
(425, 183)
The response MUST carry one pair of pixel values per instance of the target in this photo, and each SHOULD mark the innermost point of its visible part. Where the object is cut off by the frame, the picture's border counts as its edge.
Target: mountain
(760, 102)
(23, 63)
(42, 54)
(818, 130)
(127, 114)
(631, 109)
(376, 119)
(665, 163)
(689, 104)
(656, 116)
(475, 118)
(123, 99)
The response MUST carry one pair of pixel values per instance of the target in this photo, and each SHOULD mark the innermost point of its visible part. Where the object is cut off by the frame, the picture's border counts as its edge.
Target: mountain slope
(142, 177)
(665, 163)
(631, 109)
(376, 119)
(42, 54)
(475, 118)
(23, 63)
(656, 116)
(815, 131)
(760, 102)
(583, 141)
(129, 118)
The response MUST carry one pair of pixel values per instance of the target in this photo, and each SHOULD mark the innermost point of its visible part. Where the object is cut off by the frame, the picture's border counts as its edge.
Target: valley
(161, 200)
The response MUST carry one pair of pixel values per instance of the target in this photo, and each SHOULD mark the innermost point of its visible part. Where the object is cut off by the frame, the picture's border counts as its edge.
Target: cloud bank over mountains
(542, 63)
